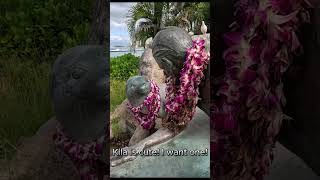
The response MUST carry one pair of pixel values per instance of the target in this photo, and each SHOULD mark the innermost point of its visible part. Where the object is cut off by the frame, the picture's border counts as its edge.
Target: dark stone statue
(138, 88)
(169, 49)
(195, 136)
(79, 92)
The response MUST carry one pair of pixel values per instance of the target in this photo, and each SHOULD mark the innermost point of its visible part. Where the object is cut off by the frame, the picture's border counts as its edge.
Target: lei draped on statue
(247, 111)
(84, 156)
(152, 103)
(181, 92)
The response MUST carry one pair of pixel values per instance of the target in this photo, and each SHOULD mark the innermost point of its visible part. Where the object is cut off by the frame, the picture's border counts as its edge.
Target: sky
(119, 35)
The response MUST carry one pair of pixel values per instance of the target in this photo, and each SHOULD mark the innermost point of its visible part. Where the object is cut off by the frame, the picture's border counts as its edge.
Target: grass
(117, 93)
(122, 68)
(25, 102)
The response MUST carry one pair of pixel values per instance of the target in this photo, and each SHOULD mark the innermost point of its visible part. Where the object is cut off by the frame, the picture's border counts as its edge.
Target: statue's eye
(77, 73)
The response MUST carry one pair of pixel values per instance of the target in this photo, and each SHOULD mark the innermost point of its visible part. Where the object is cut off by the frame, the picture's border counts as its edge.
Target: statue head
(169, 49)
(137, 89)
(79, 92)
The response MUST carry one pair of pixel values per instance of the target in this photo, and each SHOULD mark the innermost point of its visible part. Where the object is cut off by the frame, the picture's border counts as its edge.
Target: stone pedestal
(195, 137)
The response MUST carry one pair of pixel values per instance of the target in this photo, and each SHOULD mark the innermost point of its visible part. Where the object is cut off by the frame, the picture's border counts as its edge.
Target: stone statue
(137, 89)
(195, 136)
(81, 104)
(79, 92)
(169, 50)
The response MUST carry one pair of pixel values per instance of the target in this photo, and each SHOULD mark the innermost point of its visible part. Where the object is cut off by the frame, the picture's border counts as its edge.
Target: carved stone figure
(79, 92)
(195, 136)
(81, 103)
(169, 49)
(148, 67)
(137, 89)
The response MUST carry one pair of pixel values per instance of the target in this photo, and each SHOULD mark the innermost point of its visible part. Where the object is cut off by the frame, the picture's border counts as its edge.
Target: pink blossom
(260, 41)
(152, 102)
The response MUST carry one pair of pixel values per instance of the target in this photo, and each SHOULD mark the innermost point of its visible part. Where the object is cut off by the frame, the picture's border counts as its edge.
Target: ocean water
(119, 51)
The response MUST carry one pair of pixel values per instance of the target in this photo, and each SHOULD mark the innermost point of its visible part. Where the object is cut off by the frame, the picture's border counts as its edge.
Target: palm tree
(146, 19)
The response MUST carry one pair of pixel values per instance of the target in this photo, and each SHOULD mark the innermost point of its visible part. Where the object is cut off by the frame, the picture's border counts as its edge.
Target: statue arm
(158, 137)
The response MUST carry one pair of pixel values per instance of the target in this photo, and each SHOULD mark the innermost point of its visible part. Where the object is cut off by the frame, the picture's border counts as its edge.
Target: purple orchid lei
(152, 103)
(182, 98)
(83, 156)
(247, 112)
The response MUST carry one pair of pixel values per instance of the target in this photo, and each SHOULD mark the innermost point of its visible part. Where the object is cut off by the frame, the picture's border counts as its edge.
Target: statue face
(137, 89)
(169, 49)
(79, 91)
(78, 76)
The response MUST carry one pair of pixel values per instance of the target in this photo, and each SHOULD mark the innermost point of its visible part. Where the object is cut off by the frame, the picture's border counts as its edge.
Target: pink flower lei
(182, 98)
(152, 103)
(247, 113)
(84, 156)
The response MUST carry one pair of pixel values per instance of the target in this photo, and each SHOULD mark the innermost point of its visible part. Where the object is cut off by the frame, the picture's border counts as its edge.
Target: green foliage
(42, 29)
(185, 15)
(123, 67)
(32, 34)
(117, 93)
(25, 101)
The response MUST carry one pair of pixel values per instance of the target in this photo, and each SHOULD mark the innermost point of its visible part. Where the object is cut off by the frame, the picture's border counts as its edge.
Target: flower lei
(247, 113)
(84, 156)
(152, 103)
(182, 94)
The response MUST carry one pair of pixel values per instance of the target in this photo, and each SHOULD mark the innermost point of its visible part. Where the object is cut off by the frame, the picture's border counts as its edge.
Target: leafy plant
(32, 34)
(187, 15)
(123, 67)
(40, 30)
(117, 93)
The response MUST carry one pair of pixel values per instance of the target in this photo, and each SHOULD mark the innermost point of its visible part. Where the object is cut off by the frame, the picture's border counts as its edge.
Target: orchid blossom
(182, 98)
(247, 110)
(152, 103)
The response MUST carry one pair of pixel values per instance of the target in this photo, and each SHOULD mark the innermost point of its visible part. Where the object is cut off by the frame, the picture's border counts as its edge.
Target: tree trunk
(158, 8)
(99, 26)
